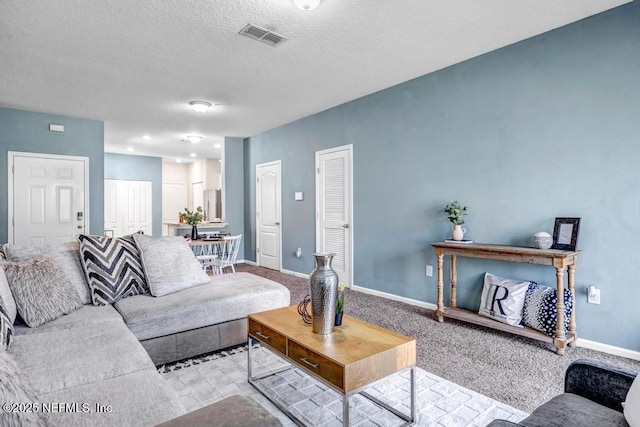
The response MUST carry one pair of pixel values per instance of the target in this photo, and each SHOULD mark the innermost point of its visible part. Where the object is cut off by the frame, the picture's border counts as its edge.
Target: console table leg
(572, 288)
(454, 281)
(560, 340)
(439, 311)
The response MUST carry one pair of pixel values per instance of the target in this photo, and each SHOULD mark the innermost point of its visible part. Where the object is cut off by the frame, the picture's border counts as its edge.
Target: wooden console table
(560, 260)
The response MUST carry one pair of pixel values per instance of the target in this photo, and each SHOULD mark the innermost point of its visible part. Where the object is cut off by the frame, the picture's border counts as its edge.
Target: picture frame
(565, 234)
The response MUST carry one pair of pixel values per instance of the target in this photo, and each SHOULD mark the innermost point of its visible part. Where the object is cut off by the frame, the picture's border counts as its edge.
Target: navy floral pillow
(540, 308)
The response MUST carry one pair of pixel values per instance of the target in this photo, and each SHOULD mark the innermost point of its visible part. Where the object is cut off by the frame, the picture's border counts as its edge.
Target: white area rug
(439, 402)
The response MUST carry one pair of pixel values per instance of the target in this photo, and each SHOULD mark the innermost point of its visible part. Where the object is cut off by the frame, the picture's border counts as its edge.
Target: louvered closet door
(334, 217)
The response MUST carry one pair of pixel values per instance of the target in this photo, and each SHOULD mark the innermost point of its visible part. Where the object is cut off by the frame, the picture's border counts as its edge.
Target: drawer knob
(261, 335)
(313, 365)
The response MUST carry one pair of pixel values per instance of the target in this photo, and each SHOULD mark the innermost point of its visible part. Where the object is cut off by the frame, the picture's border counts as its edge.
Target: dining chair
(227, 255)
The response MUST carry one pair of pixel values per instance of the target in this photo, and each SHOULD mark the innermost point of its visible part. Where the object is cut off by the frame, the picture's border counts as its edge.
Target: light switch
(298, 195)
(56, 128)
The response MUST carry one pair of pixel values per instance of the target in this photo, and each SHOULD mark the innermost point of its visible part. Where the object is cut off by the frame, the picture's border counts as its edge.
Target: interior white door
(127, 207)
(174, 200)
(198, 195)
(334, 216)
(268, 215)
(47, 196)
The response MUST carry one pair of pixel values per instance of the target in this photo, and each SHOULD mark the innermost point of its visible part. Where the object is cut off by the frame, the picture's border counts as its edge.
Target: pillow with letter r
(503, 299)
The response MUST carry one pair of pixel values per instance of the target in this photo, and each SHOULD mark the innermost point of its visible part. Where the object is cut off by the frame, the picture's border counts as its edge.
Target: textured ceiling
(135, 64)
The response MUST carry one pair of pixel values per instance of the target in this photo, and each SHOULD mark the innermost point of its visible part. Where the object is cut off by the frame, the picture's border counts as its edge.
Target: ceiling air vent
(262, 35)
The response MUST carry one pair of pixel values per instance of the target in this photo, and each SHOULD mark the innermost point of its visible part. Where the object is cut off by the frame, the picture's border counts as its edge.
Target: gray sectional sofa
(97, 364)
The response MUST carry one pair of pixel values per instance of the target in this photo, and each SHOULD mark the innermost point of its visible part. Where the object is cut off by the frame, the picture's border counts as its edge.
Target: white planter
(458, 232)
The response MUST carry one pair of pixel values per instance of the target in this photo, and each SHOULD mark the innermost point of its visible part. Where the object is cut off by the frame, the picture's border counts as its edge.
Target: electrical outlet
(429, 270)
(593, 295)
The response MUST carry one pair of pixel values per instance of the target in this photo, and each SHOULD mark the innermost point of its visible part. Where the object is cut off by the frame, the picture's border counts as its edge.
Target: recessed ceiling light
(146, 137)
(307, 4)
(200, 106)
(192, 154)
(194, 138)
(217, 145)
(130, 149)
(178, 160)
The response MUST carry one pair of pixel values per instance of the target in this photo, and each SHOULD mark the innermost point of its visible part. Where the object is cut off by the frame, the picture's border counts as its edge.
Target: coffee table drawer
(317, 364)
(268, 336)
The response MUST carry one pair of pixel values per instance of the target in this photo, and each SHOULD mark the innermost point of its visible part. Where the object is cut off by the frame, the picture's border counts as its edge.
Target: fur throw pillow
(41, 290)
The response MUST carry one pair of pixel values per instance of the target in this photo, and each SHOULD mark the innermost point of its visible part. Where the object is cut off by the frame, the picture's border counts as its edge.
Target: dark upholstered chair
(593, 396)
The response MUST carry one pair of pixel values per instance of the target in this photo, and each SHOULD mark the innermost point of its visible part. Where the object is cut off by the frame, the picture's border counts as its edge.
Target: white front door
(268, 206)
(47, 198)
(334, 223)
(127, 207)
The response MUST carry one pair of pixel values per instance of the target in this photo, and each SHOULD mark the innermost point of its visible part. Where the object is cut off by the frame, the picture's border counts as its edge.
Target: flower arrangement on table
(192, 218)
(456, 212)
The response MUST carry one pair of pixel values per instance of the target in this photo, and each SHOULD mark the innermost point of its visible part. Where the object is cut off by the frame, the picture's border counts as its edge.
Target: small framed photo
(565, 234)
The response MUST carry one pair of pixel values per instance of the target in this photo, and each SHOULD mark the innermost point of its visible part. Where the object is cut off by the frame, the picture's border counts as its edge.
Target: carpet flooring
(518, 371)
(439, 403)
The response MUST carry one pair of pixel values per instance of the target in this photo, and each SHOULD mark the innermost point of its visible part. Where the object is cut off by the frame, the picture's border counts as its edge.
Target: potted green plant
(193, 219)
(339, 304)
(456, 213)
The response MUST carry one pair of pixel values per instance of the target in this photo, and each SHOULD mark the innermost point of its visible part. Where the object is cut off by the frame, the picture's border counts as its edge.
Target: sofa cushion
(570, 409)
(225, 297)
(6, 328)
(113, 268)
(234, 411)
(141, 398)
(66, 255)
(6, 296)
(169, 264)
(41, 290)
(79, 354)
(14, 388)
(632, 404)
(78, 319)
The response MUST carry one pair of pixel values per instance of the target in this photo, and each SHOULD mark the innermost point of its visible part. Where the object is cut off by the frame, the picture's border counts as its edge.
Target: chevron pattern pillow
(113, 268)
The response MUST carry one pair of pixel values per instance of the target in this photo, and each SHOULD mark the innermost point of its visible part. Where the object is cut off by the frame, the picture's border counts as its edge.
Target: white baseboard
(606, 348)
(393, 297)
(246, 261)
(295, 273)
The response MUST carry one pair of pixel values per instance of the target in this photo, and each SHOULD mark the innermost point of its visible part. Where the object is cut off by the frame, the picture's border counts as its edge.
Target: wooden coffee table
(351, 359)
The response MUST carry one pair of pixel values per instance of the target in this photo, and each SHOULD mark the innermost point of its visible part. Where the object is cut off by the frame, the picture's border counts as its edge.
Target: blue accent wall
(26, 131)
(139, 168)
(234, 188)
(544, 128)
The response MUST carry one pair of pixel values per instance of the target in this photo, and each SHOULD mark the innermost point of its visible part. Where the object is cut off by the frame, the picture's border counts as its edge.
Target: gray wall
(139, 168)
(26, 131)
(234, 187)
(544, 128)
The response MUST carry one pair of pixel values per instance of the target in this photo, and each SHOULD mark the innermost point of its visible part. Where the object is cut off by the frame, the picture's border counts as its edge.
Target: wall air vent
(262, 35)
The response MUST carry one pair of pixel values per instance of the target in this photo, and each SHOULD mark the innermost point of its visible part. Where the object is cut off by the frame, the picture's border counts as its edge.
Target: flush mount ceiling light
(146, 137)
(307, 4)
(200, 106)
(192, 155)
(130, 149)
(194, 139)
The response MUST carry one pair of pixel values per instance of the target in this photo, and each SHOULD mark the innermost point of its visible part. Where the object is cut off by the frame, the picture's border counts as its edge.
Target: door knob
(80, 227)
(276, 223)
(345, 225)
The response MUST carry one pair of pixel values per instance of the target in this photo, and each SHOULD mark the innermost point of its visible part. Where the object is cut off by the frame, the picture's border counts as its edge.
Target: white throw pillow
(503, 299)
(169, 264)
(632, 404)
